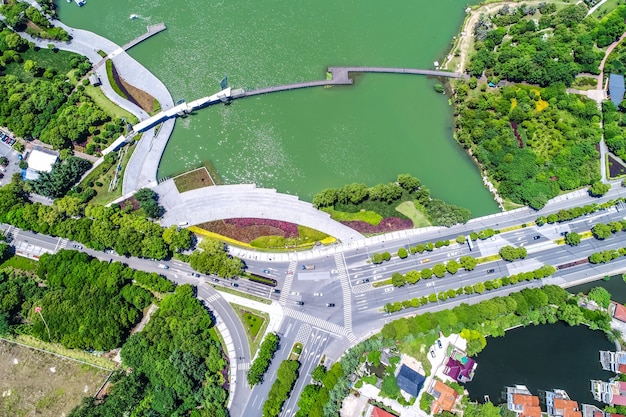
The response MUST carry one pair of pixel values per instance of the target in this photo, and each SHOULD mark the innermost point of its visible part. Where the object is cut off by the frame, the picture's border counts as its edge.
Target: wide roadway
(318, 327)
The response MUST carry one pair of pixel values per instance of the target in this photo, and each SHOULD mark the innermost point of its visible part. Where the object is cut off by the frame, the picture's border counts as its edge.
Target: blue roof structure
(410, 381)
(616, 88)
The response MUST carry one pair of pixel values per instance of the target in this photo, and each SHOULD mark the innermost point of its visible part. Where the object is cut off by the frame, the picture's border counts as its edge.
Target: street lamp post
(38, 310)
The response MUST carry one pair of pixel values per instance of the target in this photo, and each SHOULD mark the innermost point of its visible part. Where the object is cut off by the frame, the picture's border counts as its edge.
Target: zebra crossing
(63, 243)
(362, 288)
(316, 322)
(243, 366)
(347, 295)
(288, 280)
(213, 297)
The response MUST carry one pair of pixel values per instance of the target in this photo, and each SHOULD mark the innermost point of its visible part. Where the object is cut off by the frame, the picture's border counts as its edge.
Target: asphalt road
(345, 279)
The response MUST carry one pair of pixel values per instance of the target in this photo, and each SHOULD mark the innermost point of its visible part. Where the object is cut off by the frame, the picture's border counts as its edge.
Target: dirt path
(467, 34)
(606, 55)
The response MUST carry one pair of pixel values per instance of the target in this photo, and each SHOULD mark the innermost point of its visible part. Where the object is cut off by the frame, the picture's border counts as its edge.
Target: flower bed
(246, 230)
(388, 224)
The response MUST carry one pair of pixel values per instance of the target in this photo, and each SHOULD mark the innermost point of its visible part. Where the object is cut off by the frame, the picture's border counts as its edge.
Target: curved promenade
(245, 200)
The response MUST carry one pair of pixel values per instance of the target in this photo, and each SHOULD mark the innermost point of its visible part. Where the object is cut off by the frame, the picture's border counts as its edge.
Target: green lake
(303, 141)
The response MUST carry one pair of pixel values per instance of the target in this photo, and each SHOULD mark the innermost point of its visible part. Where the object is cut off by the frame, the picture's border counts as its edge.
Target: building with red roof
(445, 397)
(619, 311)
(379, 412)
(520, 401)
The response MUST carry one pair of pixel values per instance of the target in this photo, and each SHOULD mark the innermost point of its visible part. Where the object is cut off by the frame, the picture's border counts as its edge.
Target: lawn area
(107, 105)
(103, 195)
(198, 178)
(19, 262)
(59, 61)
(38, 383)
(605, 8)
(418, 218)
(366, 216)
(254, 322)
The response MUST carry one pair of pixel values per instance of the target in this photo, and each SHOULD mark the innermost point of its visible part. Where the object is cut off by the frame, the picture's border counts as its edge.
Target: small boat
(80, 2)
(134, 16)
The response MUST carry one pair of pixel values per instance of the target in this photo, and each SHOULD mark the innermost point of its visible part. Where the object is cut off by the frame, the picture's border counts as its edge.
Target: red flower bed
(289, 229)
(388, 224)
(246, 230)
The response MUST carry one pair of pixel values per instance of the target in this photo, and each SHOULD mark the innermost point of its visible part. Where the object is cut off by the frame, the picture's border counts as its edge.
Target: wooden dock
(150, 31)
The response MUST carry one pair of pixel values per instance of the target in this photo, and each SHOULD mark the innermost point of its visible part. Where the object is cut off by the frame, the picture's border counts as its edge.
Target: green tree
(439, 270)
(572, 239)
(452, 266)
(402, 253)
(468, 262)
(601, 296)
(398, 280)
(601, 231)
(598, 189)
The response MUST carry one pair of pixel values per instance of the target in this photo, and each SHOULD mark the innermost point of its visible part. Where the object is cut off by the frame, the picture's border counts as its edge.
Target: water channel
(303, 141)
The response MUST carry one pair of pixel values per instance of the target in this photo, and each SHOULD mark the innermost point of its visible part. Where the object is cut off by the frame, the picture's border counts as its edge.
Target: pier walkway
(151, 30)
(340, 76)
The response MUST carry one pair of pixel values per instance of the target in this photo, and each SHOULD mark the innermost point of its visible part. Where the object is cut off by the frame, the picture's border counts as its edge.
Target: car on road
(234, 284)
(216, 280)
(196, 275)
(75, 246)
(330, 304)
(423, 261)
(318, 294)
(300, 303)
(536, 237)
(276, 291)
(491, 271)
(439, 343)
(389, 289)
(163, 266)
(432, 353)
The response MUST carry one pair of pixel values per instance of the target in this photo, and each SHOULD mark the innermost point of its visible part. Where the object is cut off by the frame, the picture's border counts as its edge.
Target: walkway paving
(245, 200)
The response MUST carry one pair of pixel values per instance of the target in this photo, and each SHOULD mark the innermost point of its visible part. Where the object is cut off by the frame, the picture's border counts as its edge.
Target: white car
(389, 289)
(318, 294)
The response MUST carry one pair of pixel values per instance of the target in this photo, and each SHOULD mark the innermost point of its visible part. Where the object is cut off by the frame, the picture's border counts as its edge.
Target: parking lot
(12, 155)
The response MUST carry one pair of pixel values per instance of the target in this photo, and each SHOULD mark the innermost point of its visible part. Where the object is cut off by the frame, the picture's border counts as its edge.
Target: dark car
(216, 280)
(300, 303)
(536, 237)
(330, 304)
(276, 291)
(196, 275)
(234, 284)
(491, 271)
(439, 343)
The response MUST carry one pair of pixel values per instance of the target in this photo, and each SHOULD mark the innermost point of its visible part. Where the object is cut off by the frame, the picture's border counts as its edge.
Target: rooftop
(616, 88)
(379, 412)
(620, 312)
(41, 160)
(410, 381)
(460, 370)
(445, 398)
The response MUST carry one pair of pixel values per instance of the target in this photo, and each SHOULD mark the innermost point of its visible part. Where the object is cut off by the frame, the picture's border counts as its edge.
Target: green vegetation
(286, 377)
(511, 46)
(601, 296)
(379, 258)
(149, 202)
(64, 175)
(384, 198)
(585, 83)
(107, 105)
(112, 81)
(177, 366)
(366, 216)
(510, 253)
(254, 322)
(413, 277)
(575, 212)
(21, 263)
(96, 227)
(572, 239)
(214, 259)
(417, 216)
(192, 180)
(264, 359)
(18, 14)
(531, 151)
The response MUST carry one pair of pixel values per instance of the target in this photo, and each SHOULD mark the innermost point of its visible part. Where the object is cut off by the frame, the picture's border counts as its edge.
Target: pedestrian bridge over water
(338, 76)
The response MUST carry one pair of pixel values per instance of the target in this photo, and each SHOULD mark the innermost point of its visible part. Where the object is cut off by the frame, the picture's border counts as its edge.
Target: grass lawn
(409, 209)
(198, 178)
(254, 322)
(59, 61)
(607, 7)
(42, 384)
(107, 105)
(103, 195)
(366, 216)
(19, 262)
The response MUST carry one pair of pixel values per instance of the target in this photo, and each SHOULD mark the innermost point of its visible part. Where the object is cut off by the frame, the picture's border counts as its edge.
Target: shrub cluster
(439, 270)
(286, 377)
(575, 212)
(606, 255)
(388, 224)
(263, 359)
(510, 253)
(290, 230)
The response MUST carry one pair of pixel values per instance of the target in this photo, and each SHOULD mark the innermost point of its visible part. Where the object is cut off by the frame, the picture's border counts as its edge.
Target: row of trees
(177, 365)
(286, 377)
(478, 288)
(378, 258)
(315, 398)
(96, 227)
(212, 258)
(383, 198)
(575, 212)
(439, 270)
(533, 143)
(17, 15)
(606, 255)
(263, 359)
(603, 231)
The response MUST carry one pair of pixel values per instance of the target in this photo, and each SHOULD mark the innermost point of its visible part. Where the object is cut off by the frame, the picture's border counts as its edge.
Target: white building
(40, 160)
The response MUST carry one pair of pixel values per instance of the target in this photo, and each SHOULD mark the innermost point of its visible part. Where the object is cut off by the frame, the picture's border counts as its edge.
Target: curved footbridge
(339, 76)
(245, 201)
